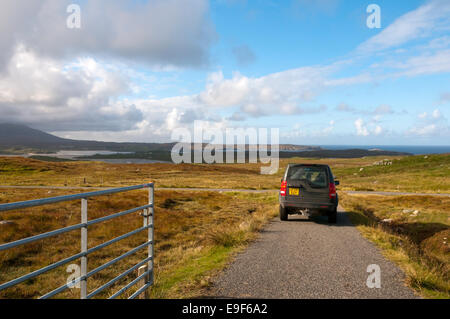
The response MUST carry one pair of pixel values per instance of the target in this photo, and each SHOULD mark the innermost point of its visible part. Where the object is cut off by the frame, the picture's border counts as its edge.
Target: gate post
(144, 281)
(151, 235)
(84, 247)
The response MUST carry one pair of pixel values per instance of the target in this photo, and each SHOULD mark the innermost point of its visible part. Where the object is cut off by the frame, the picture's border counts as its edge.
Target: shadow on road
(342, 220)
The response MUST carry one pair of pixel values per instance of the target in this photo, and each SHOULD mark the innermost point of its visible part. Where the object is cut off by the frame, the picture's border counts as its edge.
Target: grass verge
(411, 231)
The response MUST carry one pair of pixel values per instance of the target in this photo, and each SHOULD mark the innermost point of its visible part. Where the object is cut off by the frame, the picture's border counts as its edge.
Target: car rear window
(316, 176)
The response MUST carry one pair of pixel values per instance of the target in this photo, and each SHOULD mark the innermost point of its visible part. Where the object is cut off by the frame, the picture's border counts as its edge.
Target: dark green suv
(309, 189)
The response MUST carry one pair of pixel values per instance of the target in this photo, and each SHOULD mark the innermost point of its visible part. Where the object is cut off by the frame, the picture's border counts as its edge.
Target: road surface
(304, 258)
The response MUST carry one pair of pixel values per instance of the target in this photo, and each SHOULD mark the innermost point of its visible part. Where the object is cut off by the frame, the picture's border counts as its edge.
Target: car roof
(317, 165)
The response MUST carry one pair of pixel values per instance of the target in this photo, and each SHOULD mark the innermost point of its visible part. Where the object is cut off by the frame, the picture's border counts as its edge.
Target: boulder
(6, 222)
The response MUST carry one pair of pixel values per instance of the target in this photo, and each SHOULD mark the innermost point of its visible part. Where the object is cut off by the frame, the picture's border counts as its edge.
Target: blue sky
(311, 68)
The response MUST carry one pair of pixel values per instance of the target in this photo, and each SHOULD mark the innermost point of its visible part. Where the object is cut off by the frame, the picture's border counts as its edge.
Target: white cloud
(237, 117)
(425, 64)
(300, 131)
(430, 125)
(430, 22)
(157, 32)
(419, 23)
(436, 114)
(278, 93)
(361, 129)
(39, 86)
(438, 43)
(327, 131)
(422, 115)
(55, 96)
(378, 130)
(427, 130)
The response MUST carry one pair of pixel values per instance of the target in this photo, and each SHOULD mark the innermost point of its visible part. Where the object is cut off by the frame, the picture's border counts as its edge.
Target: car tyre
(332, 217)
(283, 213)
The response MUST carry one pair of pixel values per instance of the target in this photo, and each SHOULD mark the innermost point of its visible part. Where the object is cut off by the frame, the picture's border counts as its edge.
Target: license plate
(294, 191)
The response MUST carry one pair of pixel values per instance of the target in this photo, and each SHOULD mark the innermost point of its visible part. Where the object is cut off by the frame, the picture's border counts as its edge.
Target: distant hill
(350, 153)
(17, 138)
(21, 135)
(21, 139)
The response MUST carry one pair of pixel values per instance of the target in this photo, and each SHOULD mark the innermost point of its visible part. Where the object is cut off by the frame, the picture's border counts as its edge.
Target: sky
(137, 70)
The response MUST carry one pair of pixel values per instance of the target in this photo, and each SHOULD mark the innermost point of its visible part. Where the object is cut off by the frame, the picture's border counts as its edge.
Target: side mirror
(336, 183)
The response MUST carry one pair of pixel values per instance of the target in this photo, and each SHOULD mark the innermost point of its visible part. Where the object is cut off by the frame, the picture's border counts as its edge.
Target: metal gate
(146, 277)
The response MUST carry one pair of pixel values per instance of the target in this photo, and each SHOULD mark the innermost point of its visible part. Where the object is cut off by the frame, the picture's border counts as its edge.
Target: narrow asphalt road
(304, 258)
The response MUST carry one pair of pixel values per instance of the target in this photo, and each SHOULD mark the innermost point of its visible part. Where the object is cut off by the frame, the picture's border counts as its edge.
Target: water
(129, 161)
(75, 154)
(413, 149)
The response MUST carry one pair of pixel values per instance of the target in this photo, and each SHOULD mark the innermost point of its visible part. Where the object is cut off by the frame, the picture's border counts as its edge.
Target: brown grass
(409, 174)
(188, 227)
(196, 233)
(418, 243)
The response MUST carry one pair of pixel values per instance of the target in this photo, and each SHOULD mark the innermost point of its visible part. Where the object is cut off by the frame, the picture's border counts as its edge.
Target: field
(198, 233)
(406, 174)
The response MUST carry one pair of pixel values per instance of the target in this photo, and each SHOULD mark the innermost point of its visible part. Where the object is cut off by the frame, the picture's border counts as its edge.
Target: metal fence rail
(146, 277)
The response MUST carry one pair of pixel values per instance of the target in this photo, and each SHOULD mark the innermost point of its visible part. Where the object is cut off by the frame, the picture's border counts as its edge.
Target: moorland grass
(420, 174)
(195, 236)
(411, 231)
(197, 233)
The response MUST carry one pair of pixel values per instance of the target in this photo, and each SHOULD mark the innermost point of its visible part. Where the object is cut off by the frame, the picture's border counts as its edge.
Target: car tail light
(283, 188)
(332, 192)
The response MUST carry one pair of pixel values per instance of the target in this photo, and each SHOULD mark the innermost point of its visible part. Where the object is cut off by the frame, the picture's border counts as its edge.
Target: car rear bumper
(329, 205)
(309, 206)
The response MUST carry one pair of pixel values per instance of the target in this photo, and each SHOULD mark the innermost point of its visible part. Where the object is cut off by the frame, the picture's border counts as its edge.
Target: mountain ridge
(19, 139)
